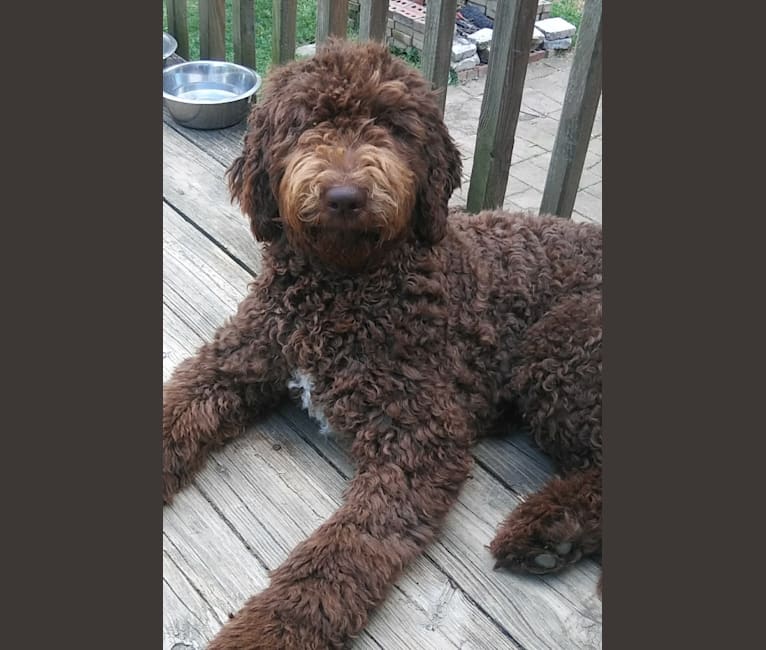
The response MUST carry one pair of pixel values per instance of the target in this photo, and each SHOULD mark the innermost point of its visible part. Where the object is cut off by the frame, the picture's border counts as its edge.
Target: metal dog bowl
(169, 45)
(208, 94)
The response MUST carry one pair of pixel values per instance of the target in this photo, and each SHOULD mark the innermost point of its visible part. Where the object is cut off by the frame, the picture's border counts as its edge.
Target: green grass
(412, 56)
(569, 10)
(305, 32)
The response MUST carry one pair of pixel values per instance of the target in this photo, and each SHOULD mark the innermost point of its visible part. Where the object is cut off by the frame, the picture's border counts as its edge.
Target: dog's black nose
(344, 198)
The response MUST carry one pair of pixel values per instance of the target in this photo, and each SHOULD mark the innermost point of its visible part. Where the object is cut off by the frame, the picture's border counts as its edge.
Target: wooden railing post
(373, 16)
(243, 32)
(212, 24)
(332, 19)
(284, 25)
(577, 115)
(500, 106)
(178, 25)
(437, 45)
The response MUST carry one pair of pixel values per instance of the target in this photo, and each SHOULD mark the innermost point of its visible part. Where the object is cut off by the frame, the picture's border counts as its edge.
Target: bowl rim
(173, 45)
(211, 102)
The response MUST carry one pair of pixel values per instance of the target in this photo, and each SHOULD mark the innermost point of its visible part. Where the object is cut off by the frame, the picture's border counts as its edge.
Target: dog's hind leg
(554, 527)
(212, 396)
(557, 378)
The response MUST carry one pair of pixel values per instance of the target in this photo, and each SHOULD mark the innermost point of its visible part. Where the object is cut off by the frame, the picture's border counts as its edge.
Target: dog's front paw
(266, 624)
(170, 485)
(251, 629)
(175, 469)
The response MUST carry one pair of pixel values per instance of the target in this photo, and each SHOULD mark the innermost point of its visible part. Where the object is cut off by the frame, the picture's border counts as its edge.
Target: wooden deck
(268, 490)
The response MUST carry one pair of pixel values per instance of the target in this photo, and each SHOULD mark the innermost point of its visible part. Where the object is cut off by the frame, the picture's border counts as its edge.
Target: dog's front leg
(212, 395)
(322, 595)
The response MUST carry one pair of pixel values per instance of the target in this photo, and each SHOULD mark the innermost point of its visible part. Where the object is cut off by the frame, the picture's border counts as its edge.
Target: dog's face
(346, 156)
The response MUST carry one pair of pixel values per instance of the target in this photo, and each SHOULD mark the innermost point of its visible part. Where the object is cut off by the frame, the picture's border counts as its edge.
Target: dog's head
(346, 155)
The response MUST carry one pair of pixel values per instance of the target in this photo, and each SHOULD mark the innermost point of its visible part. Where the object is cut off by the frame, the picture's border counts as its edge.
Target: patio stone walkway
(544, 89)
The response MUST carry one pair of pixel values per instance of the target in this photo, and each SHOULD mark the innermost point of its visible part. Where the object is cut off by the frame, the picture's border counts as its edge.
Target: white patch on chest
(305, 384)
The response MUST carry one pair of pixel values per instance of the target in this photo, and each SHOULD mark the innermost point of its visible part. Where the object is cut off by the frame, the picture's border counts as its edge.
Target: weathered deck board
(515, 462)
(194, 298)
(188, 620)
(221, 144)
(207, 552)
(175, 335)
(259, 501)
(193, 183)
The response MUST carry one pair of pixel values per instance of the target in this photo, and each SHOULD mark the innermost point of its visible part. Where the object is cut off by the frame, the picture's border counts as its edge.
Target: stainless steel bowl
(169, 45)
(208, 94)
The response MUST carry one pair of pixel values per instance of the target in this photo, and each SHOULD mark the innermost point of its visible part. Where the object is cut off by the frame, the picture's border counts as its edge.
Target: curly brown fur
(554, 527)
(415, 333)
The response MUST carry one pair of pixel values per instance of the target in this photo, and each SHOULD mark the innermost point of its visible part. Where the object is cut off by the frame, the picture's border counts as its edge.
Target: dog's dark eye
(398, 132)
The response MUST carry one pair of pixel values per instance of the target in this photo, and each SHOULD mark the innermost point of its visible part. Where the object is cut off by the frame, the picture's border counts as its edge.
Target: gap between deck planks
(202, 286)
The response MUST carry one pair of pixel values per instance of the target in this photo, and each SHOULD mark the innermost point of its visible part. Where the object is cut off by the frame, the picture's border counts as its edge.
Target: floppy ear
(443, 169)
(406, 102)
(249, 180)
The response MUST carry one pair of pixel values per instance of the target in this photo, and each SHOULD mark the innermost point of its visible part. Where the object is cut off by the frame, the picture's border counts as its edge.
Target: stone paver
(530, 173)
(544, 90)
(540, 104)
(588, 205)
(555, 28)
(594, 189)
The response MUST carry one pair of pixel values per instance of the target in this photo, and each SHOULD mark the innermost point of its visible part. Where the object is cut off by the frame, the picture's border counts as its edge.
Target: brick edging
(480, 71)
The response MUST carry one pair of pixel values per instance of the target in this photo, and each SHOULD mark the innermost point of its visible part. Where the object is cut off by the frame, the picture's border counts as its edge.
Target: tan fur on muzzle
(322, 161)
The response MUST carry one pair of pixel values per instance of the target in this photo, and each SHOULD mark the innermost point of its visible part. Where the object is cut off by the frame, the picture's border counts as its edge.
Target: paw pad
(564, 548)
(546, 561)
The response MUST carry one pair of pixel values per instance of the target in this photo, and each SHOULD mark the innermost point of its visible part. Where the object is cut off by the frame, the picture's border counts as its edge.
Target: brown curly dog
(409, 332)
